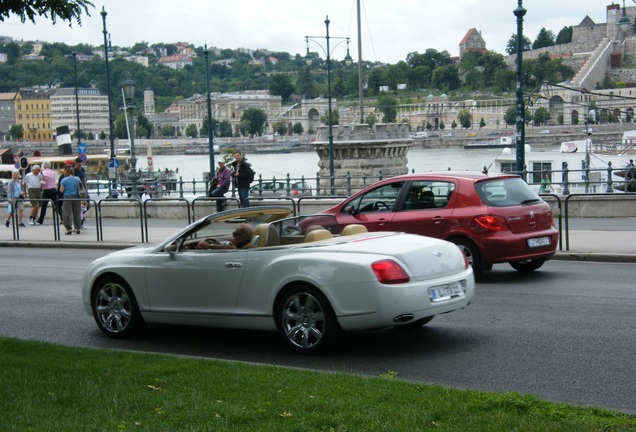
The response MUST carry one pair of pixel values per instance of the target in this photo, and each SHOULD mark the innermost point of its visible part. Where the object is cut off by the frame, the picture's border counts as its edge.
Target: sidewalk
(607, 245)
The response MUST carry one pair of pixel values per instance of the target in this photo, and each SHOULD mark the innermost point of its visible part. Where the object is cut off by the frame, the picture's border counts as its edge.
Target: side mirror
(170, 249)
(350, 210)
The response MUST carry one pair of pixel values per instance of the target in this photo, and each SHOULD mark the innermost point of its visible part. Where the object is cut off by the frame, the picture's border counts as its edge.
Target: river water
(305, 164)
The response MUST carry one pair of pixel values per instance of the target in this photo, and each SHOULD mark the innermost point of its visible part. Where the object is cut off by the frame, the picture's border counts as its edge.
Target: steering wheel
(379, 204)
(292, 230)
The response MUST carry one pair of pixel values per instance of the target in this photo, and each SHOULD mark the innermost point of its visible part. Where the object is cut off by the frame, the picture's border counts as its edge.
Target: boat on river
(588, 166)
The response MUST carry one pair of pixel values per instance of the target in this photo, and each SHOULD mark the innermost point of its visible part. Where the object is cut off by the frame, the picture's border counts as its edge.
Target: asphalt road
(564, 333)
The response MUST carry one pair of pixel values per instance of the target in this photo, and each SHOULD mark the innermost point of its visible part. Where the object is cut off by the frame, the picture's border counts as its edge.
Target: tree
(511, 46)
(191, 131)
(541, 116)
(545, 38)
(16, 132)
(510, 117)
(66, 10)
(298, 128)
(256, 118)
(371, 119)
(482, 123)
(280, 126)
(167, 130)
(465, 118)
(282, 86)
(564, 36)
(224, 129)
(453, 125)
(387, 106)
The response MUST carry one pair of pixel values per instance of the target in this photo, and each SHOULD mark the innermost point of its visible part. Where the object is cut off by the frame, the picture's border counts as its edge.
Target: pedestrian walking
(33, 182)
(49, 190)
(15, 193)
(72, 206)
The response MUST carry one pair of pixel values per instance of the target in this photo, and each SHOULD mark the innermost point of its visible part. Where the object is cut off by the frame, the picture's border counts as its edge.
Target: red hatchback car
(493, 218)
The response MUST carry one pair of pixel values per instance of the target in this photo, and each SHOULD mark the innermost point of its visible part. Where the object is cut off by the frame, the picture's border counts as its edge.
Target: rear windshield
(506, 192)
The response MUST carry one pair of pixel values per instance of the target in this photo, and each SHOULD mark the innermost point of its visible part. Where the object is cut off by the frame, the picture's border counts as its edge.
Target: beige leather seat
(260, 235)
(315, 235)
(273, 239)
(354, 229)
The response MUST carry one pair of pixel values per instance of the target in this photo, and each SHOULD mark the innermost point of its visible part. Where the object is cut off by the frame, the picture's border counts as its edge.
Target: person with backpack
(242, 176)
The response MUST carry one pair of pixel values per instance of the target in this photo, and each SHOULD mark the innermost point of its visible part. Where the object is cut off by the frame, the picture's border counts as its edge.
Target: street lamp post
(624, 23)
(110, 105)
(328, 53)
(520, 138)
(206, 52)
(79, 134)
(129, 94)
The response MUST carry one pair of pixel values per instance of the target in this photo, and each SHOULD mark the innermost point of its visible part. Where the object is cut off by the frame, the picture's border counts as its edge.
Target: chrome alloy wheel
(303, 320)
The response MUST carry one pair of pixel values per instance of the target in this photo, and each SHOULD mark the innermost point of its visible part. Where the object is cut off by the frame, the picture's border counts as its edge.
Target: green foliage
(80, 389)
(254, 119)
(541, 116)
(371, 119)
(511, 46)
(191, 131)
(454, 125)
(16, 132)
(280, 126)
(297, 128)
(545, 38)
(387, 105)
(565, 35)
(282, 86)
(482, 123)
(66, 10)
(465, 118)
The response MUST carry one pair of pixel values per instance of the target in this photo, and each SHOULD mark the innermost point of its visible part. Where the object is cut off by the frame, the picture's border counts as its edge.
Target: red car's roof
(471, 175)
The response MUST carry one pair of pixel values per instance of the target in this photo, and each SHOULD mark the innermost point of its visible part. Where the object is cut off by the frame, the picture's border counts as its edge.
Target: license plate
(538, 242)
(445, 292)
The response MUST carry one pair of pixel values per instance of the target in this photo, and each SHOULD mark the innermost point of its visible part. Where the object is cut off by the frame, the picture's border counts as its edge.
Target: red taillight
(492, 222)
(389, 272)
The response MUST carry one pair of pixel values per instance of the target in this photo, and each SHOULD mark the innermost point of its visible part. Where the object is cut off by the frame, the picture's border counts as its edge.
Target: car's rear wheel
(470, 250)
(528, 265)
(306, 320)
(115, 309)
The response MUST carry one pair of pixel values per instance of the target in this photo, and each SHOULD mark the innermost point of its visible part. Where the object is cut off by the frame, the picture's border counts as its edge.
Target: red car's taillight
(492, 222)
(389, 272)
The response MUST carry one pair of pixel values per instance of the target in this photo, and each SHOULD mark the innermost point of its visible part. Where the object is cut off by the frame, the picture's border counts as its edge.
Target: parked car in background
(269, 189)
(566, 131)
(471, 134)
(493, 218)
(588, 131)
(544, 132)
(300, 276)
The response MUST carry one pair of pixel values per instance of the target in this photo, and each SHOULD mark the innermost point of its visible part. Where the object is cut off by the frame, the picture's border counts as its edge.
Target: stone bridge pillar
(360, 151)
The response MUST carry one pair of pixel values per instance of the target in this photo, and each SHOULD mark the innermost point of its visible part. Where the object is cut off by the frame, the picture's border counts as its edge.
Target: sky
(390, 29)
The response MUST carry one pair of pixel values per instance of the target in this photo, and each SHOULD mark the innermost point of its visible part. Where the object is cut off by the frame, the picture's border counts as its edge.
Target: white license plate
(538, 242)
(445, 292)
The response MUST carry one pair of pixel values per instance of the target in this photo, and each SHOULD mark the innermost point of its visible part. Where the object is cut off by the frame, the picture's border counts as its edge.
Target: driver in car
(241, 238)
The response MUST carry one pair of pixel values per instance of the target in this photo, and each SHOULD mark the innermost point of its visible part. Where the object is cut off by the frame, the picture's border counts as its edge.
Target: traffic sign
(113, 163)
(81, 148)
(83, 158)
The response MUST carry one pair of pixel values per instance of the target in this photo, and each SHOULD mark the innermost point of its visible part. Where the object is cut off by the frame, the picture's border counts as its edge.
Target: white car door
(195, 282)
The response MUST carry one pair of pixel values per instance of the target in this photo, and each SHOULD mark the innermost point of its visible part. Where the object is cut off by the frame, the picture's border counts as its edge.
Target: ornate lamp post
(206, 52)
(521, 118)
(328, 53)
(129, 94)
(624, 23)
(110, 105)
(79, 134)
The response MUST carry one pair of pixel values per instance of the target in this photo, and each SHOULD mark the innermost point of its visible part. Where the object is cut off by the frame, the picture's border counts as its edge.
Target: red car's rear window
(507, 192)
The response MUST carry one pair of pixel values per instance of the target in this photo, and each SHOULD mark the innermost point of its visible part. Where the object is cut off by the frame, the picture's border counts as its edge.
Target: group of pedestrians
(240, 173)
(41, 186)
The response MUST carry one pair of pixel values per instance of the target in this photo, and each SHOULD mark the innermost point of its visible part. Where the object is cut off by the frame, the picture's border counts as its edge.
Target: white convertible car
(301, 276)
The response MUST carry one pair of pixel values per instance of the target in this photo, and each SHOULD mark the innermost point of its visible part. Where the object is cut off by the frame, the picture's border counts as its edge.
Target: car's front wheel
(306, 320)
(115, 309)
(528, 265)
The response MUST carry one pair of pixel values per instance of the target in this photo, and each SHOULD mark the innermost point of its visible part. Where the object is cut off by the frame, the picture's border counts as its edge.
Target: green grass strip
(46, 387)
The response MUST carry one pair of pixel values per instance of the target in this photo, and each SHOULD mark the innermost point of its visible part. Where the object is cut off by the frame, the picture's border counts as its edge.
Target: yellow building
(33, 112)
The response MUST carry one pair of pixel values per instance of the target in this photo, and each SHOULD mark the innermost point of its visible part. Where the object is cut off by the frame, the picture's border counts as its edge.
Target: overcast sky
(390, 29)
